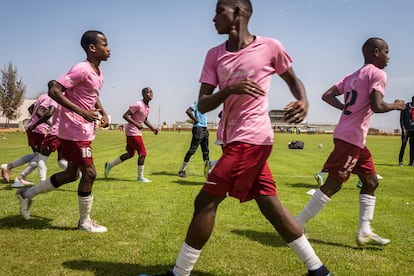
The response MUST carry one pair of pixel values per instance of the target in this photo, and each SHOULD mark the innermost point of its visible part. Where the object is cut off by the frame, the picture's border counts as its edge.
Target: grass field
(147, 222)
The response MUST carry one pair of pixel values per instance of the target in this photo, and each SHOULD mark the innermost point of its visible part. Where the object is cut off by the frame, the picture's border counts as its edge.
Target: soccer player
(199, 138)
(37, 128)
(77, 92)
(363, 93)
(242, 68)
(136, 116)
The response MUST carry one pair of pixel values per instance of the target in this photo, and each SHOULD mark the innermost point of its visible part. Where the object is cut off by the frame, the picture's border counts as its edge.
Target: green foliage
(12, 90)
(147, 222)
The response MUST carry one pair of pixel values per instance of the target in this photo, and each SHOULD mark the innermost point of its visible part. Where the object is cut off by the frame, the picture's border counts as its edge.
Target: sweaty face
(223, 20)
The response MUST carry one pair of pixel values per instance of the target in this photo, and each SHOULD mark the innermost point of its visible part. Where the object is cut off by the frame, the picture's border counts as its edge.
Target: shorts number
(86, 152)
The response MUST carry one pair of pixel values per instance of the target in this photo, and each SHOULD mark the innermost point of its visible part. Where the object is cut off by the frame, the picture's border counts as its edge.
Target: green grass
(147, 222)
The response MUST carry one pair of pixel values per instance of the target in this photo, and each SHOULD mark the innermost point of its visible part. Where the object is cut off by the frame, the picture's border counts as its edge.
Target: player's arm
(331, 97)
(295, 111)
(56, 92)
(44, 114)
(31, 108)
(378, 105)
(99, 107)
(128, 117)
(190, 113)
(149, 125)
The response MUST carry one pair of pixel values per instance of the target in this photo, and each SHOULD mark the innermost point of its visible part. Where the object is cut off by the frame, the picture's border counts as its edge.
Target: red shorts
(34, 139)
(78, 152)
(51, 143)
(346, 159)
(242, 172)
(135, 144)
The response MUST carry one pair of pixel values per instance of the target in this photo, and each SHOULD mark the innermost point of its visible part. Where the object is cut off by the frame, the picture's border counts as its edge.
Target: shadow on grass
(35, 222)
(265, 238)
(165, 173)
(303, 185)
(112, 268)
(355, 247)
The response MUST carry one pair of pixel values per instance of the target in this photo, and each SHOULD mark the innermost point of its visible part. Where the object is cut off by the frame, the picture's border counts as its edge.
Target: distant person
(242, 68)
(199, 138)
(407, 131)
(78, 94)
(363, 93)
(41, 111)
(136, 116)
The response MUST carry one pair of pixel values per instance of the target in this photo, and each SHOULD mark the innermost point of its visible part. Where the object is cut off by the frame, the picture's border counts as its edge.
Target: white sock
(115, 162)
(63, 164)
(366, 213)
(140, 171)
(184, 166)
(85, 206)
(305, 252)
(316, 204)
(186, 260)
(42, 187)
(22, 160)
(41, 166)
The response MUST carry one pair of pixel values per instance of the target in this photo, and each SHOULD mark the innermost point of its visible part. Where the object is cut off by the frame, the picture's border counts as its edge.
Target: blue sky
(162, 44)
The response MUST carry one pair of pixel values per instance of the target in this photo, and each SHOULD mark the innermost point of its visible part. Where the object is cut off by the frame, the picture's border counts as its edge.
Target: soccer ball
(320, 146)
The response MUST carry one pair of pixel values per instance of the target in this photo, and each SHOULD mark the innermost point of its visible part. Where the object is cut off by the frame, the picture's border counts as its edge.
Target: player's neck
(239, 40)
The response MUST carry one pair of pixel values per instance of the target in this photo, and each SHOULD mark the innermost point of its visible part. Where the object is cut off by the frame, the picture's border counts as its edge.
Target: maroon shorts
(242, 172)
(34, 139)
(347, 158)
(78, 152)
(135, 144)
(51, 143)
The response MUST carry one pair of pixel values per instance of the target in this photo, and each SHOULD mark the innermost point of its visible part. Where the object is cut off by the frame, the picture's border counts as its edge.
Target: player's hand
(295, 111)
(91, 115)
(104, 121)
(155, 131)
(400, 104)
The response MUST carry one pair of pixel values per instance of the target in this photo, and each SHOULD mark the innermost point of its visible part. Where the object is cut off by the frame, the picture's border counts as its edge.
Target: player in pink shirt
(242, 68)
(78, 94)
(38, 126)
(136, 116)
(363, 93)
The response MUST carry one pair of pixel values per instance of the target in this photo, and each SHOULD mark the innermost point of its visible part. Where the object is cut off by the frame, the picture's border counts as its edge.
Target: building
(22, 118)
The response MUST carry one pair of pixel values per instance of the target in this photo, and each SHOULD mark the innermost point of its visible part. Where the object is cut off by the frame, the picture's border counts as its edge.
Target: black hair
(89, 37)
(371, 44)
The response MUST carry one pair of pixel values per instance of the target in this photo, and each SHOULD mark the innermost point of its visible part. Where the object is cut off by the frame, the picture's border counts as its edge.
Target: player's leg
(195, 142)
(205, 152)
(404, 140)
(286, 225)
(198, 233)
(411, 137)
(130, 152)
(25, 196)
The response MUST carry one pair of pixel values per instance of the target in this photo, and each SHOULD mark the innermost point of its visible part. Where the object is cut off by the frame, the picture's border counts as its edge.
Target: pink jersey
(357, 88)
(82, 88)
(42, 101)
(139, 112)
(246, 119)
(54, 129)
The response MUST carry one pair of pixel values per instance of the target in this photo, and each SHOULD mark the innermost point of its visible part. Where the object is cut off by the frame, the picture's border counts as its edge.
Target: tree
(12, 91)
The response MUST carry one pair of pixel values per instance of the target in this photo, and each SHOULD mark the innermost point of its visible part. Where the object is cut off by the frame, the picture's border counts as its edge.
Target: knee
(89, 174)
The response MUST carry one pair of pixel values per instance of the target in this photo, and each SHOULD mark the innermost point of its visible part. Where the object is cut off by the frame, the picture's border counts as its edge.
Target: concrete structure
(22, 118)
